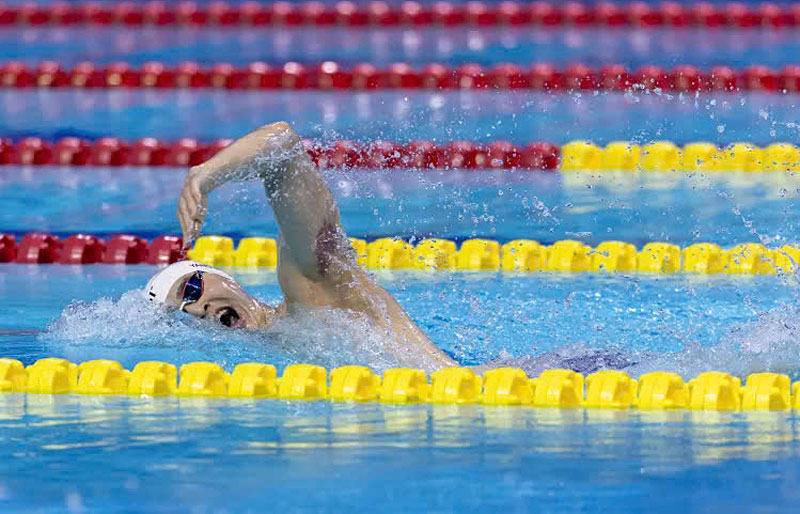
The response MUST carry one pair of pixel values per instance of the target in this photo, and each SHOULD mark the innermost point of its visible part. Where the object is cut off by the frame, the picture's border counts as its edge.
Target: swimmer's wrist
(205, 177)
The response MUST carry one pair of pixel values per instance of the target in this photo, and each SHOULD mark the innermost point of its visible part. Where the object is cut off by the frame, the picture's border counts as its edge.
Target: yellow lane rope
(711, 390)
(665, 155)
(524, 255)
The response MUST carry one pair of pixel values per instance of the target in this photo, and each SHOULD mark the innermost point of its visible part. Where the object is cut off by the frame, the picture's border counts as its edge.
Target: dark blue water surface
(727, 208)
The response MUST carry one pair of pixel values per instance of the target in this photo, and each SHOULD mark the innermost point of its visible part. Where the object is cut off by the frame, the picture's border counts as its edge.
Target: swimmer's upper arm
(312, 237)
(308, 218)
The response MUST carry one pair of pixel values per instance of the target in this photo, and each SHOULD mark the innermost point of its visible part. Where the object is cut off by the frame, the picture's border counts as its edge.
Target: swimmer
(316, 263)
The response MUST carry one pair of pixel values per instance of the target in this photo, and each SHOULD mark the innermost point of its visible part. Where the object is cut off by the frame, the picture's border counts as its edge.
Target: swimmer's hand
(193, 204)
(264, 153)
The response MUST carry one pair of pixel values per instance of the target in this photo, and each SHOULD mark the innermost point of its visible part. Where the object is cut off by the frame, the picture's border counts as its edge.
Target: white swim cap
(159, 286)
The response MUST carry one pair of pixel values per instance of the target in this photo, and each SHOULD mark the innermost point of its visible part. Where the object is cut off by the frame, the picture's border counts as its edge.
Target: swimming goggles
(192, 289)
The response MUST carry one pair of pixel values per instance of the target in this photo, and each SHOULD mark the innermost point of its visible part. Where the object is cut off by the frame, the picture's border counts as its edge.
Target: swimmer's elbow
(279, 133)
(278, 126)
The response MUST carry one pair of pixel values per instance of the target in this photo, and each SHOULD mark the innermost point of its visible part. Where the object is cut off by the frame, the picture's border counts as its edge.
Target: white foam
(131, 330)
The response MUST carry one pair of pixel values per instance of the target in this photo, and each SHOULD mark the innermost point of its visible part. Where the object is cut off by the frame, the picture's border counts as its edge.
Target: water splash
(131, 330)
(772, 343)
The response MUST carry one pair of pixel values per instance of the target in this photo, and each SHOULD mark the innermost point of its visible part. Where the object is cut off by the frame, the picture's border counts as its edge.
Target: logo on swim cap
(157, 289)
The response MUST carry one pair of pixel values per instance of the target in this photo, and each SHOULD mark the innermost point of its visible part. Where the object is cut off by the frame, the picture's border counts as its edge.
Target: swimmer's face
(224, 302)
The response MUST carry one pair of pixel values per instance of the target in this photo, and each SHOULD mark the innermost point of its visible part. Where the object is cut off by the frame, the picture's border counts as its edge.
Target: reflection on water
(201, 451)
(441, 116)
(66, 422)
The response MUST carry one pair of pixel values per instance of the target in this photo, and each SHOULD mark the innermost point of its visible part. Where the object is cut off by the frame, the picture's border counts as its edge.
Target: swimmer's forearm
(264, 153)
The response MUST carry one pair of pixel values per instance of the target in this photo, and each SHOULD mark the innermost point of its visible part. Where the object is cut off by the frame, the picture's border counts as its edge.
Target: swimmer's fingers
(192, 208)
(185, 221)
(200, 210)
(189, 235)
(196, 221)
(197, 227)
(187, 205)
(196, 201)
(186, 216)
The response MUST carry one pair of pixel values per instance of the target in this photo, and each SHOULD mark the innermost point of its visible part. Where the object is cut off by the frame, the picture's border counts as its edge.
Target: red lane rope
(111, 151)
(43, 248)
(412, 14)
(332, 76)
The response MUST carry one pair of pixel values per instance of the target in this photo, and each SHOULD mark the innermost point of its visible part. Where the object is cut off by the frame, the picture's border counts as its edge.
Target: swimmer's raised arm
(316, 265)
(303, 205)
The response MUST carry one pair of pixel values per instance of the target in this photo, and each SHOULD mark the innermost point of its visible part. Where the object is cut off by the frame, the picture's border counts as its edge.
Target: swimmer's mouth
(230, 318)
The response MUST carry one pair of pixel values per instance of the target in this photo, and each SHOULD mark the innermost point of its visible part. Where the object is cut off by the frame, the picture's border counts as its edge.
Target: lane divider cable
(660, 390)
(333, 76)
(422, 155)
(412, 14)
(518, 255)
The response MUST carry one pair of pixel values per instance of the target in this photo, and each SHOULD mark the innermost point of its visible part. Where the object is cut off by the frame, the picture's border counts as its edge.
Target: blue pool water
(233, 456)
(517, 315)
(99, 455)
(405, 115)
(139, 455)
(687, 324)
(681, 208)
(664, 47)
